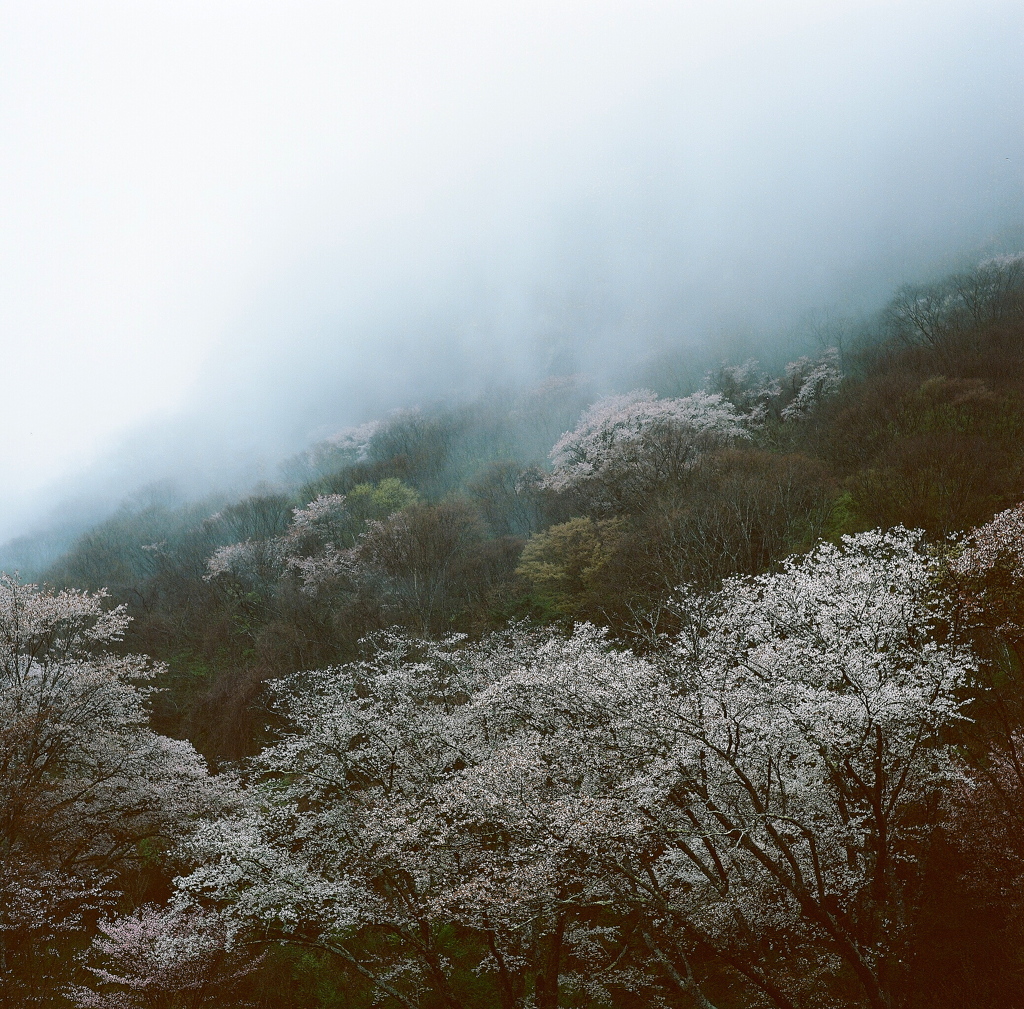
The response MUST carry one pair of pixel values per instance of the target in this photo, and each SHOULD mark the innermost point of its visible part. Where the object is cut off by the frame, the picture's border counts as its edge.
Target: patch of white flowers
(311, 547)
(760, 782)
(626, 444)
(84, 781)
(813, 381)
(639, 439)
(997, 543)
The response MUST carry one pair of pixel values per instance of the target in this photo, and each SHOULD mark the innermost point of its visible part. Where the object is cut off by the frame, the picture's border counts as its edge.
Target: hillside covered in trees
(547, 700)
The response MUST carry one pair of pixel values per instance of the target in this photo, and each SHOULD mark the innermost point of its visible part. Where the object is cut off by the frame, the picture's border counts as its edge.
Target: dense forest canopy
(550, 700)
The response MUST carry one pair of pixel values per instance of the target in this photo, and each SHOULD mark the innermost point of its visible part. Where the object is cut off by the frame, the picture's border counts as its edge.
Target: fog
(231, 228)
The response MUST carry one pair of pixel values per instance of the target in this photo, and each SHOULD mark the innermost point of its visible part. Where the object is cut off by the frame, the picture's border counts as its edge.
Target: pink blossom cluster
(159, 953)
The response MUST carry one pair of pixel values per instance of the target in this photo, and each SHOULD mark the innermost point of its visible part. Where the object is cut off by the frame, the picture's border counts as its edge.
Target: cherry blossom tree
(353, 443)
(173, 958)
(983, 573)
(810, 382)
(625, 445)
(317, 547)
(347, 447)
(987, 566)
(755, 799)
(365, 822)
(985, 576)
(84, 782)
(254, 563)
(336, 841)
(808, 754)
(762, 399)
(763, 793)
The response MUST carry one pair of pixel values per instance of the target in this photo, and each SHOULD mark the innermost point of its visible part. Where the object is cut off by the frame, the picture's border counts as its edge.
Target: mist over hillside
(476, 201)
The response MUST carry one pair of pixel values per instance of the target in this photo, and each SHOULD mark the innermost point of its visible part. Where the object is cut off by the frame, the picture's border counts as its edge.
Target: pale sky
(221, 211)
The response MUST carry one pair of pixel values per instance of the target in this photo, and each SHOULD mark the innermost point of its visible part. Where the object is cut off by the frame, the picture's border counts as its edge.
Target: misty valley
(671, 697)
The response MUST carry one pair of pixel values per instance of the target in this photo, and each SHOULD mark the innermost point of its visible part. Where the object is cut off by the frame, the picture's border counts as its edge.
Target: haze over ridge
(231, 227)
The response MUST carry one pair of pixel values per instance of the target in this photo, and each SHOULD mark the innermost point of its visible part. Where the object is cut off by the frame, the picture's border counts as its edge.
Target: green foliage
(842, 518)
(566, 566)
(368, 501)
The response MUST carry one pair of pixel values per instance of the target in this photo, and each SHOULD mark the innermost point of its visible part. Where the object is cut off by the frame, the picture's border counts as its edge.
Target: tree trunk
(545, 992)
(509, 987)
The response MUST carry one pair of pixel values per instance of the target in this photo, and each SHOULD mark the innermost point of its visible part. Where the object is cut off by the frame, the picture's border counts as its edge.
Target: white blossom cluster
(625, 445)
(84, 781)
(637, 439)
(760, 398)
(986, 567)
(312, 546)
(347, 447)
(813, 381)
(758, 783)
(249, 561)
(997, 543)
(162, 953)
(355, 441)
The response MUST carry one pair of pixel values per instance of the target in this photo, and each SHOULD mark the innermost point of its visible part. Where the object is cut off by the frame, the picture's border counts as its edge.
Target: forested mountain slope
(459, 519)
(547, 701)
